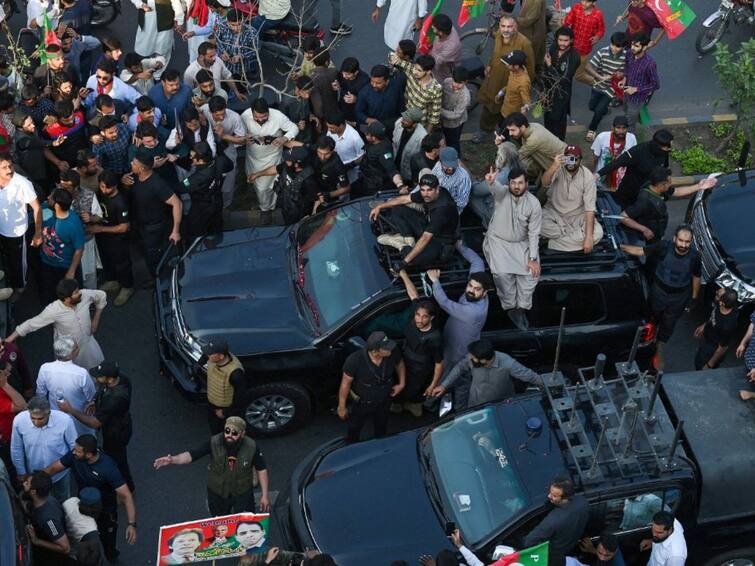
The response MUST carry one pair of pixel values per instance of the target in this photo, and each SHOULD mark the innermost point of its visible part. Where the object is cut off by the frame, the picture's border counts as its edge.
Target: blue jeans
(261, 23)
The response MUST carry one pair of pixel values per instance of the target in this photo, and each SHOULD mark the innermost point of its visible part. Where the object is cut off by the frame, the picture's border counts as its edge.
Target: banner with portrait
(205, 540)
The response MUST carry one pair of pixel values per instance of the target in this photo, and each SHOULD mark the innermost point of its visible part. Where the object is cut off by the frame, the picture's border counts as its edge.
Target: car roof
(720, 432)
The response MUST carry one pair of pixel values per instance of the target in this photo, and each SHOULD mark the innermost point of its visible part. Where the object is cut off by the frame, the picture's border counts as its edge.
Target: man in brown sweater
(517, 97)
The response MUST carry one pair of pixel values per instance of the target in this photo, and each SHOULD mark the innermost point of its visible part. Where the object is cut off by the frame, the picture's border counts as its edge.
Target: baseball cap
(449, 157)
(215, 346)
(236, 423)
(106, 369)
(295, 154)
(90, 496)
(376, 129)
(573, 150)
(379, 341)
(412, 114)
(621, 120)
(516, 57)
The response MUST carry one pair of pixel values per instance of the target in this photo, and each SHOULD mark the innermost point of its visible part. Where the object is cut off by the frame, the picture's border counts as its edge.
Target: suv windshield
(341, 269)
(475, 474)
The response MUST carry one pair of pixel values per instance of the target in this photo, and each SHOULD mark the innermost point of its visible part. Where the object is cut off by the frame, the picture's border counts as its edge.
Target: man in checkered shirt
(235, 42)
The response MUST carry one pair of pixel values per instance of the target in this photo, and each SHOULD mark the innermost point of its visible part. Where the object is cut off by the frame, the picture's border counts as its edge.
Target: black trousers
(116, 259)
(667, 308)
(453, 137)
(107, 525)
(116, 447)
(705, 351)
(203, 218)
(359, 413)
(555, 122)
(13, 251)
(48, 279)
(154, 241)
(233, 504)
(599, 103)
(410, 222)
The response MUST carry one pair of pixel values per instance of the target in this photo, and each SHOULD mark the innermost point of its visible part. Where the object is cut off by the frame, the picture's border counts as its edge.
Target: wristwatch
(132, 524)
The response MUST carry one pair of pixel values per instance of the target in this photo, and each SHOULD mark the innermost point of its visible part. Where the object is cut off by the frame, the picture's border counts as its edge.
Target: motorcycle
(715, 25)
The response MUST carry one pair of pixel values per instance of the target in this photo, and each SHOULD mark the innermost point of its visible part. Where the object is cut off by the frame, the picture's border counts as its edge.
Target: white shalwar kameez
(400, 20)
(151, 42)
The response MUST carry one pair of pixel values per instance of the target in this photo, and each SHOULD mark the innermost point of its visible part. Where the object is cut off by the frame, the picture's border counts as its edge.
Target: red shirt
(6, 417)
(585, 27)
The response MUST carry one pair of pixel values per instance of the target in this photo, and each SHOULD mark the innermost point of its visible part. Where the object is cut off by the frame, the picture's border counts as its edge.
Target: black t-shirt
(422, 348)
(112, 409)
(102, 474)
(331, 174)
(114, 212)
(720, 328)
(148, 199)
(205, 449)
(372, 382)
(378, 166)
(442, 215)
(650, 210)
(418, 162)
(48, 520)
(656, 251)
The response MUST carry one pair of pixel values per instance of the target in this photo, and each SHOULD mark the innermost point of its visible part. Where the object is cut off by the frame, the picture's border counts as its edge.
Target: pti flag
(533, 556)
(426, 35)
(49, 37)
(470, 9)
(674, 15)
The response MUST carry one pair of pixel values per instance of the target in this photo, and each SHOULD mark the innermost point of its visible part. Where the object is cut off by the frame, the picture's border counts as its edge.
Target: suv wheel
(740, 557)
(277, 408)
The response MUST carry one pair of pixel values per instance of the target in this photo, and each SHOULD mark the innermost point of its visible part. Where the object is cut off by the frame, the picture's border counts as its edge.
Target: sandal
(590, 136)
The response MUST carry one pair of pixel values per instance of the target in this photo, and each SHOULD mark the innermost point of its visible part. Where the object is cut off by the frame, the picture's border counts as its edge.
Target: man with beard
(638, 163)
(609, 146)
(206, 89)
(467, 316)
(332, 175)
(537, 146)
(640, 77)
(423, 237)
(88, 170)
(668, 545)
(407, 137)
(561, 63)
(92, 468)
(569, 213)
(203, 186)
(511, 244)
(676, 280)
(232, 454)
(564, 525)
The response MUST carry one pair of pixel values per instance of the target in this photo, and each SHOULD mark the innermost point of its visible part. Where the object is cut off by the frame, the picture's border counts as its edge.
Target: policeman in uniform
(204, 189)
(298, 185)
(226, 383)
(676, 277)
(378, 164)
(332, 175)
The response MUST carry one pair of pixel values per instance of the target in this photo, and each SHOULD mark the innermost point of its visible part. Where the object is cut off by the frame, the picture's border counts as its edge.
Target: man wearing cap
(230, 481)
(407, 137)
(379, 165)
(112, 414)
(609, 146)
(569, 212)
(226, 383)
(371, 377)
(422, 237)
(80, 514)
(517, 96)
(511, 244)
(648, 214)
(454, 179)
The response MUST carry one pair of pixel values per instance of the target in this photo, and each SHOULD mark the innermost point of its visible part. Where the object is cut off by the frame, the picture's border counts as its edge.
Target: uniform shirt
(569, 195)
(378, 167)
(657, 251)
(720, 328)
(112, 408)
(422, 348)
(331, 174)
(114, 213)
(650, 210)
(48, 520)
(34, 448)
(14, 197)
(103, 474)
(148, 200)
(459, 184)
(350, 148)
(372, 383)
(61, 237)
(66, 380)
(672, 551)
(442, 216)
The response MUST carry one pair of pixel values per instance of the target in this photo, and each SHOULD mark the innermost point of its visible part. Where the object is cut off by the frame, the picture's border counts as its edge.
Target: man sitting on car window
(422, 237)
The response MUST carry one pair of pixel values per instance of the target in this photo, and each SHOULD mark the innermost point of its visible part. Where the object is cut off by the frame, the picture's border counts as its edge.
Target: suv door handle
(524, 352)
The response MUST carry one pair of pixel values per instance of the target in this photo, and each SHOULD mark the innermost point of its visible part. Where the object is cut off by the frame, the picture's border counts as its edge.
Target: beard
(471, 298)
(230, 443)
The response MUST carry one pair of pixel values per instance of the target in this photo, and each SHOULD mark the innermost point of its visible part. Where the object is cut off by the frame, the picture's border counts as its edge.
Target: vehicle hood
(367, 504)
(238, 285)
(729, 209)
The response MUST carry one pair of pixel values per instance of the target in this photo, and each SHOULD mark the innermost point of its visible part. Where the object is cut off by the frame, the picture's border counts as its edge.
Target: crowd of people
(102, 150)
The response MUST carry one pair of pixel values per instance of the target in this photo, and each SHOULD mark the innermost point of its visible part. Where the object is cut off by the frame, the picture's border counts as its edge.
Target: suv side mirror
(356, 343)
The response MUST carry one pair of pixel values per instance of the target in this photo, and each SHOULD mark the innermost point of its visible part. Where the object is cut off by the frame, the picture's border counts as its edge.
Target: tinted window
(636, 511)
(583, 301)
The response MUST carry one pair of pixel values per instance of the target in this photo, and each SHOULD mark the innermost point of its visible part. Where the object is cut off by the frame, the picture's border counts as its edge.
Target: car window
(584, 303)
(636, 511)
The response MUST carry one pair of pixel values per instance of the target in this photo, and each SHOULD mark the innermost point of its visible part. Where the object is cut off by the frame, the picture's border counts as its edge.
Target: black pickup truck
(289, 300)
(632, 447)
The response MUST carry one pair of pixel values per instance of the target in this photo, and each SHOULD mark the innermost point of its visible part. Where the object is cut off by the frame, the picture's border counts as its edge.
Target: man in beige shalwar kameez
(511, 244)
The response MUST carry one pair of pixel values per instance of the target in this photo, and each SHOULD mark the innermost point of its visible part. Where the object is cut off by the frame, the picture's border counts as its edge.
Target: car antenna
(558, 341)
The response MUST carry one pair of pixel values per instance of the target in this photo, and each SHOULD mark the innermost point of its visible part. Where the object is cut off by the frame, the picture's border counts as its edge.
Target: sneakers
(341, 29)
(108, 286)
(6, 293)
(395, 241)
(123, 296)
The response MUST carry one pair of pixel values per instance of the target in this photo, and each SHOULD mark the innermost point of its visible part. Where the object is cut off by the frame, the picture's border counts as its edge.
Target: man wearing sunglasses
(230, 484)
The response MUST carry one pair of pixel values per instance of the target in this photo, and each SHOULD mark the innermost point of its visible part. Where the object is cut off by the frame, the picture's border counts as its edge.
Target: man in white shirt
(349, 144)
(229, 135)
(16, 192)
(62, 379)
(208, 59)
(668, 544)
(609, 145)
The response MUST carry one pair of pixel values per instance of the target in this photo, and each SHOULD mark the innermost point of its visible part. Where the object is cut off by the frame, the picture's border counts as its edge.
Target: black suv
(631, 447)
(290, 299)
(725, 233)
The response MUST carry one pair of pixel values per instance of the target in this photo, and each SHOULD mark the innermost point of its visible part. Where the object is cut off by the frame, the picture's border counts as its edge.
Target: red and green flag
(49, 37)
(470, 9)
(426, 35)
(533, 556)
(674, 15)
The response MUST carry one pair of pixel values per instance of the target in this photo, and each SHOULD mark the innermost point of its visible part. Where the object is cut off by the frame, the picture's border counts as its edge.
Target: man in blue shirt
(63, 240)
(92, 468)
(171, 96)
(380, 101)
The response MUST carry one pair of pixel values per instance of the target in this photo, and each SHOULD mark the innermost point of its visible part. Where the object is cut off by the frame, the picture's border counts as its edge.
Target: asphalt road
(166, 422)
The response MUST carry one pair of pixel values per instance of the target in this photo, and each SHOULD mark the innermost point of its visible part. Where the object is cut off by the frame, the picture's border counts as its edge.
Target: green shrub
(697, 160)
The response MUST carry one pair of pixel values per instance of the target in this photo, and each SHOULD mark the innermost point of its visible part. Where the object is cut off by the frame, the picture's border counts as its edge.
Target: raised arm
(411, 289)
(178, 460)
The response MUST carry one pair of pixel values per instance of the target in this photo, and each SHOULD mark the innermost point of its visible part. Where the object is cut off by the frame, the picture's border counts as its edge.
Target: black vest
(164, 13)
(674, 272)
(291, 194)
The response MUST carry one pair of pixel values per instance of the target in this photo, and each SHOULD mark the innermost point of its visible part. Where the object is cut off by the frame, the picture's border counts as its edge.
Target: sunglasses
(232, 432)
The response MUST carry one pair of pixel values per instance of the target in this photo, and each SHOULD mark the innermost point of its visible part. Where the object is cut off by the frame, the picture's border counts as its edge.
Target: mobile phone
(450, 528)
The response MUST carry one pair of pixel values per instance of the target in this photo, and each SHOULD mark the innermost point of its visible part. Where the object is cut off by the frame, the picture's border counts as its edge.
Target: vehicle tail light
(648, 333)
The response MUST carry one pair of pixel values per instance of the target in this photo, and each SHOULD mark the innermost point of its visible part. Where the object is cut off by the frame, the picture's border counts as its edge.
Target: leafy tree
(736, 75)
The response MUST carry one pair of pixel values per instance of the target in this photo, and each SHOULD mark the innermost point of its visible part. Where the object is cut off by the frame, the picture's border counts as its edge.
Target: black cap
(297, 153)
(376, 129)
(215, 346)
(379, 341)
(106, 369)
(621, 120)
(516, 57)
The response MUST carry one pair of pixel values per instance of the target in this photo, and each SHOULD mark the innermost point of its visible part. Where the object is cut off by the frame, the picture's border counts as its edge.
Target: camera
(571, 160)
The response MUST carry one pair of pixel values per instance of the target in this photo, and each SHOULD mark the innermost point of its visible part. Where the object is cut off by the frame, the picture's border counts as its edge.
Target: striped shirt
(642, 74)
(606, 63)
(427, 97)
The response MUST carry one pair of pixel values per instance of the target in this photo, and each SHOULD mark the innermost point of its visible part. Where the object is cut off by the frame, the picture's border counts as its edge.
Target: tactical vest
(674, 272)
(164, 14)
(219, 388)
(291, 194)
(223, 481)
(376, 386)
